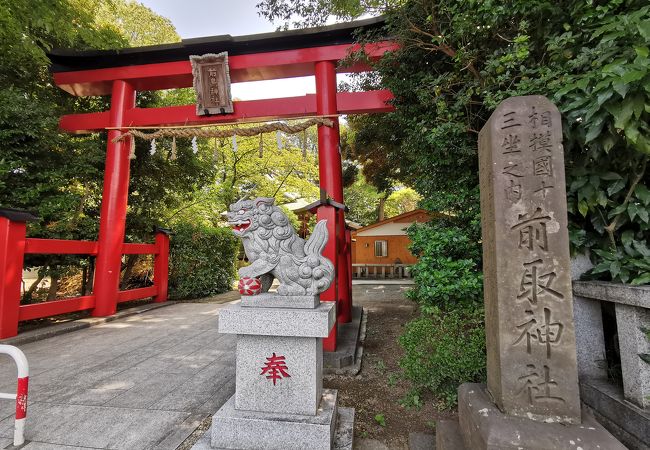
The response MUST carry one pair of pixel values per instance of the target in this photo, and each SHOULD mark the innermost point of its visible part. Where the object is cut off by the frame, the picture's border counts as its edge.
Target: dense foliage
(448, 272)
(458, 60)
(202, 260)
(444, 350)
(60, 177)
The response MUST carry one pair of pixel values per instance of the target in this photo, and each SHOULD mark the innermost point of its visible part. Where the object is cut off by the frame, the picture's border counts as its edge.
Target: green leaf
(637, 103)
(621, 113)
(380, 419)
(594, 132)
(632, 75)
(615, 268)
(643, 214)
(644, 278)
(604, 96)
(621, 88)
(642, 193)
(641, 248)
(644, 29)
(615, 187)
(632, 132)
(627, 237)
(632, 210)
(643, 52)
(578, 183)
(583, 208)
(610, 176)
(600, 268)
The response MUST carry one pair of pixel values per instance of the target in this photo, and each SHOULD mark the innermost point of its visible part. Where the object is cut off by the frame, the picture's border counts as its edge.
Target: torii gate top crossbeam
(251, 58)
(267, 56)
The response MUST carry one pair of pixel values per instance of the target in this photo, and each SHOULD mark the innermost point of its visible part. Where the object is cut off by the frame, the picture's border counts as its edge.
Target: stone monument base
(484, 426)
(238, 429)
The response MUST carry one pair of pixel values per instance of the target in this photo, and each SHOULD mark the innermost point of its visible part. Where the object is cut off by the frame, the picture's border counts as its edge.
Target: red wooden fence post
(12, 252)
(161, 265)
(112, 223)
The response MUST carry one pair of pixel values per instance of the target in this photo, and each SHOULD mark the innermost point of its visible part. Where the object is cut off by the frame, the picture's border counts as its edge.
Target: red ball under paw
(250, 286)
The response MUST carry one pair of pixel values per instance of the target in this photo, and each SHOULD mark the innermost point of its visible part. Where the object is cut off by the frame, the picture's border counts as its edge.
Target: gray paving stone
(370, 444)
(98, 427)
(219, 399)
(4, 442)
(422, 441)
(146, 394)
(173, 363)
(7, 408)
(180, 433)
(92, 397)
(49, 446)
(344, 435)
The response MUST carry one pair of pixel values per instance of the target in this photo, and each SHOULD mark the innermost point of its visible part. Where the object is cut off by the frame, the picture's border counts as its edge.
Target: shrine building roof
(66, 60)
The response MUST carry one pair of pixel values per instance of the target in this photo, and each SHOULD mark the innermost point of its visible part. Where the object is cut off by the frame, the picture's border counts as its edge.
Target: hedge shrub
(202, 260)
(444, 350)
(448, 272)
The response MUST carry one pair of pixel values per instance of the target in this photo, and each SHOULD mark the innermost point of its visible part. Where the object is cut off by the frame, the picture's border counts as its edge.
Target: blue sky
(197, 18)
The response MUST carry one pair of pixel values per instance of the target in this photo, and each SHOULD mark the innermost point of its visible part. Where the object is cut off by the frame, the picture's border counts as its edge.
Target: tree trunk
(29, 292)
(380, 209)
(91, 276)
(128, 270)
(54, 286)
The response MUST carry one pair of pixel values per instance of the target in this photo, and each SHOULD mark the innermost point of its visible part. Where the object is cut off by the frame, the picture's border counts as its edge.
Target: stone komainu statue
(276, 251)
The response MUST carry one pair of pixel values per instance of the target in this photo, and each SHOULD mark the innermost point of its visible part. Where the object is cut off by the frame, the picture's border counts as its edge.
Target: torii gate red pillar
(331, 180)
(112, 223)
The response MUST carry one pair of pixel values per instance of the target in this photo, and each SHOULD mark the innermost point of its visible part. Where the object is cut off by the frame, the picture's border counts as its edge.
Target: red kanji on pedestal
(275, 368)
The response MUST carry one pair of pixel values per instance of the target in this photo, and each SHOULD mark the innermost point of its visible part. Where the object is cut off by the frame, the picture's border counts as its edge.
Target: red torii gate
(251, 58)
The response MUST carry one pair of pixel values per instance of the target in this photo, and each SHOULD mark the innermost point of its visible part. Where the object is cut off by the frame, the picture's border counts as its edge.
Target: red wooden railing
(14, 245)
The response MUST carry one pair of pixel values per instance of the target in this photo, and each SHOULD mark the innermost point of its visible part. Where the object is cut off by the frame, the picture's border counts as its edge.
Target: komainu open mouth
(241, 225)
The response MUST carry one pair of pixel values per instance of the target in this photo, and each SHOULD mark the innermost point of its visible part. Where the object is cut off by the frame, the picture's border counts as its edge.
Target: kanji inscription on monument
(212, 84)
(532, 369)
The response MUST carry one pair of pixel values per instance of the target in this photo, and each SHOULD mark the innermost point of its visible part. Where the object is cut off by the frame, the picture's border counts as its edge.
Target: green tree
(137, 23)
(459, 59)
(57, 175)
(284, 173)
(316, 12)
(362, 199)
(401, 201)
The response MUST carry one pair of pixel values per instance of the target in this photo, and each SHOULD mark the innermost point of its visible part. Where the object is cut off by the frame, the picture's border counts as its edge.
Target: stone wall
(625, 410)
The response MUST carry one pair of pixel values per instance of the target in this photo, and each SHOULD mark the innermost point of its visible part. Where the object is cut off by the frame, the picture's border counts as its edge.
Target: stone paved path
(141, 382)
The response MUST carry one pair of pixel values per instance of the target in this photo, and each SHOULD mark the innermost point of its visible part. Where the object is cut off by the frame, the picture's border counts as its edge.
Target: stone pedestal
(279, 401)
(484, 426)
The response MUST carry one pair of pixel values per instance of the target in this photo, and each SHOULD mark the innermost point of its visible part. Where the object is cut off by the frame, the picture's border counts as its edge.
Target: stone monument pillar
(532, 398)
(279, 400)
